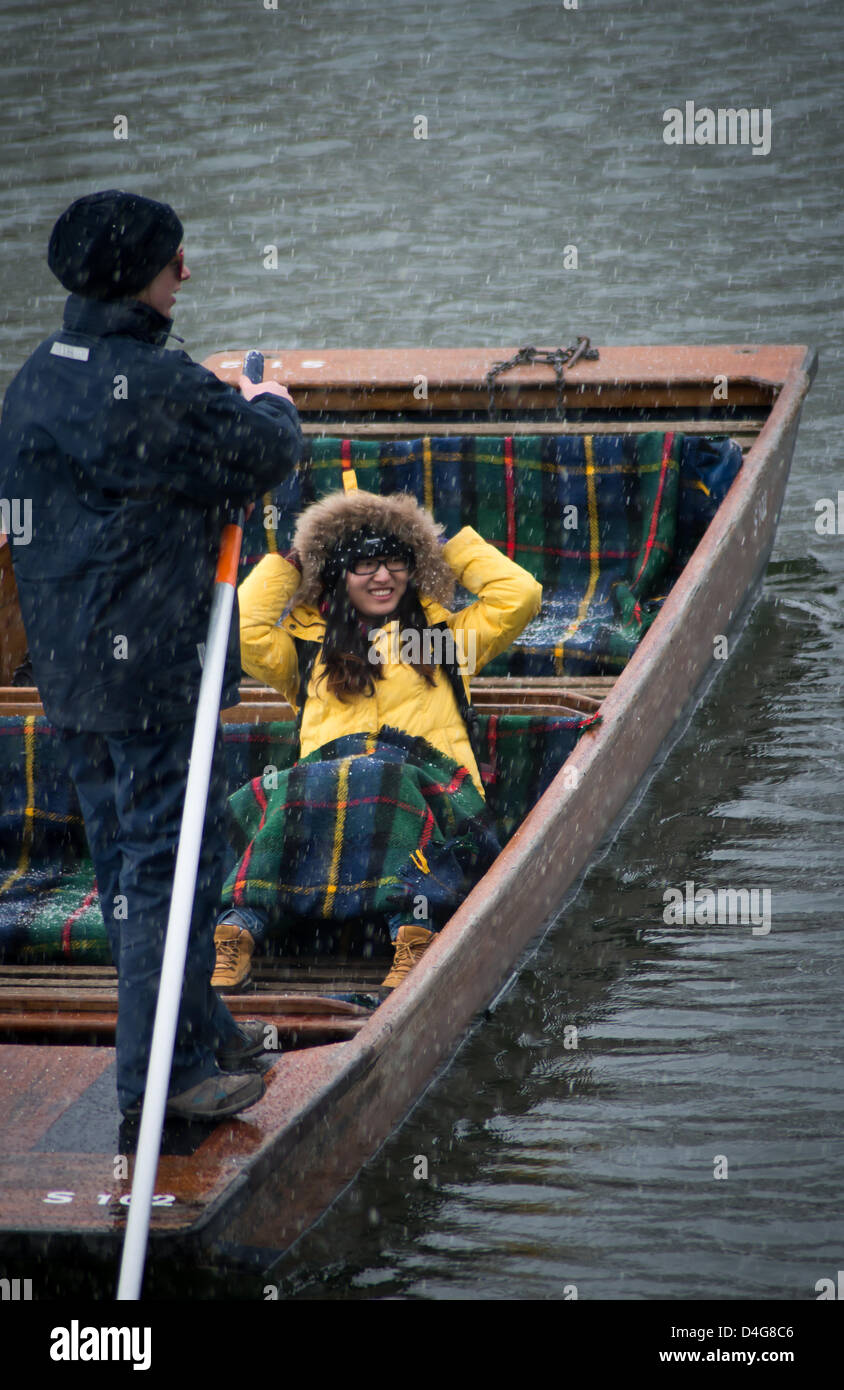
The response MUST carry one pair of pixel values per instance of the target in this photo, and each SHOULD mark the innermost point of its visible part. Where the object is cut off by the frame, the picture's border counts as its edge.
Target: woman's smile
(376, 594)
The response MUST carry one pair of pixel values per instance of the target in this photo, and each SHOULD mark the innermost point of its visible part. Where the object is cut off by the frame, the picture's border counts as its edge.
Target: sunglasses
(371, 565)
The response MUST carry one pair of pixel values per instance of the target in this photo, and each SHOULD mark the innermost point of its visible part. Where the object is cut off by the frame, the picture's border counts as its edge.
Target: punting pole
(181, 902)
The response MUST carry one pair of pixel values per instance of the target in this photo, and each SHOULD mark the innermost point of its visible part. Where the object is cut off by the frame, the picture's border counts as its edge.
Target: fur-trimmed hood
(340, 514)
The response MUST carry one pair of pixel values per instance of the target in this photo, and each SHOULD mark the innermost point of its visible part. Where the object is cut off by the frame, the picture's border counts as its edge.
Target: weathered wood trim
(363, 371)
(743, 431)
(12, 635)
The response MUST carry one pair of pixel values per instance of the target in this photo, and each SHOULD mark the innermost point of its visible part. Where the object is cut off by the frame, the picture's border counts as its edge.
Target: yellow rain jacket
(508, 597)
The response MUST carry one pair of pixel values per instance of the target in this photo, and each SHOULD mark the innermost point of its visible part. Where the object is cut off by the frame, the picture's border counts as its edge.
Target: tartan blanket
(364, 825)
(604, 522)
(49, 910)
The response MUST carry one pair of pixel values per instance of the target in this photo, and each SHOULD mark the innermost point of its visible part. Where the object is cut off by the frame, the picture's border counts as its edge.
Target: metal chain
(558, 359)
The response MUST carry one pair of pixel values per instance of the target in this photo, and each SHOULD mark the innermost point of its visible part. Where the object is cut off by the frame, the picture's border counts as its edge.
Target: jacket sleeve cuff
(265, 593)
(475, 563)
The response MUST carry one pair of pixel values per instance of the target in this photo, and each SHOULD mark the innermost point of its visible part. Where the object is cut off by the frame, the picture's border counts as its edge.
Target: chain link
(558, 358)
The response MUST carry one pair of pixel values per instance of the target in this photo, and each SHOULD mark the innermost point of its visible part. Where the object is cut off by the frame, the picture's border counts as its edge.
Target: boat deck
(66, 1162)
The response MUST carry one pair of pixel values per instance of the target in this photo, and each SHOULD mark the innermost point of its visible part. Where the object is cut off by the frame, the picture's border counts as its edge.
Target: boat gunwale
(627, 366)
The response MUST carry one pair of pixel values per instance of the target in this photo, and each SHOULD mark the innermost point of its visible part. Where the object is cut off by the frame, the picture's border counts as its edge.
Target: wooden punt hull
(252, 1186)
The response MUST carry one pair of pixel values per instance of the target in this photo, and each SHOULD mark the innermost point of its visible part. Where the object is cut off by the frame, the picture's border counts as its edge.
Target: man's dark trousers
(131, 789)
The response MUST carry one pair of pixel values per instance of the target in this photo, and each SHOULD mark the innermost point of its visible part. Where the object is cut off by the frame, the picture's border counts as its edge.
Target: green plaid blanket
(49, 910)
(365, 825)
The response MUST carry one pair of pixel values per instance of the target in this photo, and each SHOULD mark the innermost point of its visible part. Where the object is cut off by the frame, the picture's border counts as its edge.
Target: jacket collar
(127, 317)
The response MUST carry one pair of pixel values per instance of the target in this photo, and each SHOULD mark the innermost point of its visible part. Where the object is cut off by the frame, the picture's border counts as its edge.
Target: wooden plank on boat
(307, 977)
(12, 637)
(324, 974)
(292, 1027)
(37, 1086)
(29, 693)
(60, 1134)
(67, 998)
(261, 704)
(16, 973)
(764, 364)
(59, 1004)
(516, 700)
(555, 711)
(256, 713)
(514, 397)
(622, 377)
(744, 431)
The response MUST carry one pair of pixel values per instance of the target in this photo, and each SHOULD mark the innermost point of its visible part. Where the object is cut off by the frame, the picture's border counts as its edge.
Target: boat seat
(604, 522)
(49, 910)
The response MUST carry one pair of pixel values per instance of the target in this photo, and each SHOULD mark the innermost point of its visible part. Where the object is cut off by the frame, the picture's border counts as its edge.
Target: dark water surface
(547, 1166)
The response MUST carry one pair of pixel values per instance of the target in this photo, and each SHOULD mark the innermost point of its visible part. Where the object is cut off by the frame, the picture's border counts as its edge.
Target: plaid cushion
(599, 520)
(707, 470)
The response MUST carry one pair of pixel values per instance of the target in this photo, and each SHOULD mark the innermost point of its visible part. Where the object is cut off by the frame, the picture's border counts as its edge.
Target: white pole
(181, 903)
(178, 923)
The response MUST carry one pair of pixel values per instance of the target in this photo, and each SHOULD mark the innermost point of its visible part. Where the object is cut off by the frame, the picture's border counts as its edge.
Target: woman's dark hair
(345, 649)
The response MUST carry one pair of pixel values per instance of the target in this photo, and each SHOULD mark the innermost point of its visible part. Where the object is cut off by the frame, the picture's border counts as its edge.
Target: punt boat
(587, 466)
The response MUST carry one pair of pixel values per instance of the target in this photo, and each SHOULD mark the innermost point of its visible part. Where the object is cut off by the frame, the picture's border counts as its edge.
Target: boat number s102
(60, 1199)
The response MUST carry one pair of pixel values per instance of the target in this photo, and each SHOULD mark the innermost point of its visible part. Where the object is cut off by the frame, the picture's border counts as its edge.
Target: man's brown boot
(410, 946)
(234, 946)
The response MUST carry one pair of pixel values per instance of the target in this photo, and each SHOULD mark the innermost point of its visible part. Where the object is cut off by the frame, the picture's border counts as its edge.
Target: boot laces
(228, 951)
(404, 956)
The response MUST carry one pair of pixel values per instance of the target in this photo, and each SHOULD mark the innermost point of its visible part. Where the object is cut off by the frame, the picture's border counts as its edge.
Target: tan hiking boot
(410, 946)
(234, 947)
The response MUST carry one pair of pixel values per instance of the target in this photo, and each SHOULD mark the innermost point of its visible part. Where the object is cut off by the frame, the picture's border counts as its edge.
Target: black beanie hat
(111, 245)
(363, 544)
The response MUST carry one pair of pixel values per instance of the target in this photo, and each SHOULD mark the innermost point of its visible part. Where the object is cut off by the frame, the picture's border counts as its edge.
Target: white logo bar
(79, 354)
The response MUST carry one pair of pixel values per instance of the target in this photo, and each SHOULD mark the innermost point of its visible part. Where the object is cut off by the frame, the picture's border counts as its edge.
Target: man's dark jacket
(130, 457)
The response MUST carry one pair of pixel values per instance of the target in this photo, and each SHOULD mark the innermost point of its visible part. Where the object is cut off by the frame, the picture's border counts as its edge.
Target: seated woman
(383, 816)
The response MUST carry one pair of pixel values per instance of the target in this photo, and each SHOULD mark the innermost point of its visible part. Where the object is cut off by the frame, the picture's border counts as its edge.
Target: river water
(702, 1050)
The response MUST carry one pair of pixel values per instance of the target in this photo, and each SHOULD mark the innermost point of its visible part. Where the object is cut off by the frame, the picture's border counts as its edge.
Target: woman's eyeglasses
(373, 564)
